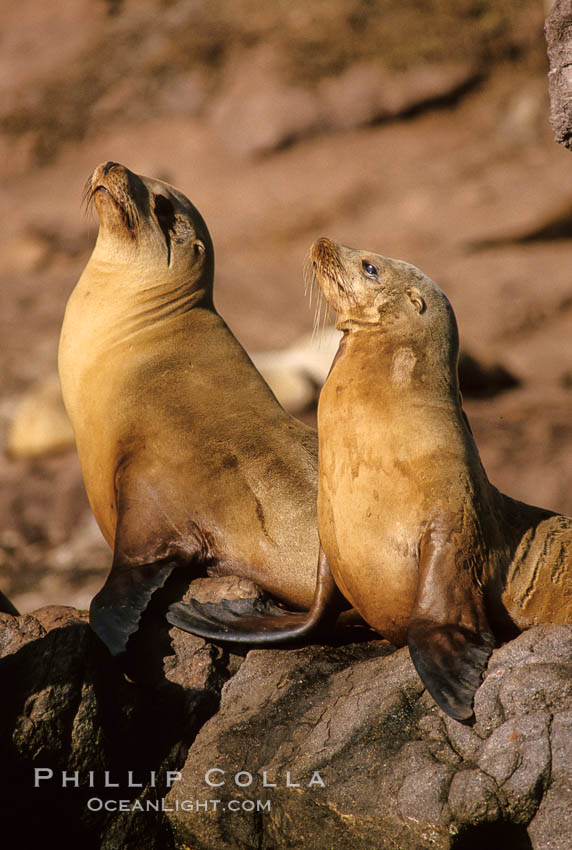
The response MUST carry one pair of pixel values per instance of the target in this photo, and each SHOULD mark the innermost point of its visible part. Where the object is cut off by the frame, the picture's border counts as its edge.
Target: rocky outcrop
(361, 757)
(315, 747)
(559, 44)
(72, 724)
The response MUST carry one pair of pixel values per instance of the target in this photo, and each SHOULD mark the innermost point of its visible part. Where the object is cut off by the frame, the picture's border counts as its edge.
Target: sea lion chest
(383, 477)
(158, 435)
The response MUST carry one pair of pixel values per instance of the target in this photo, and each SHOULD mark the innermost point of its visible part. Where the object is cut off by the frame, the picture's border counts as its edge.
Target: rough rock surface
(341, 745)
(396, 772)
(559, 42)
(66, 706)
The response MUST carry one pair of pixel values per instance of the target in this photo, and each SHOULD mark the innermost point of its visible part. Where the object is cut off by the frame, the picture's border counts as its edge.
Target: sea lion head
(149, 228)
(372, 292)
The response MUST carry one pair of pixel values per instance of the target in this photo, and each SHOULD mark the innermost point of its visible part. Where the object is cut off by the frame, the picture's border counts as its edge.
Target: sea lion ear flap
(199, 249)
(449, 636)
(416, 299)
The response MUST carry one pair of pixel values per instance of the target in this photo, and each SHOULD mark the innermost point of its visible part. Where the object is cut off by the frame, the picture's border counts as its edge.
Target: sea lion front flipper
(146, 551)
(6, 606)
(115, 611)
(260, 622)
(449, 636)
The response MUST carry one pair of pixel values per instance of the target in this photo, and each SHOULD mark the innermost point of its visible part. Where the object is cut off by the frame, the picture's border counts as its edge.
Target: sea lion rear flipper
(237, 620)
(115, 611)
(449, 636)
(260, 622)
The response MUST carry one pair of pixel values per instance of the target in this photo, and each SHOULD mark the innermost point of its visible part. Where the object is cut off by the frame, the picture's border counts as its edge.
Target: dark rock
(316, 747)
(517, 757)
(395, 771)
(551, 827)
(67, 706)
(559, 42)
(474, 797)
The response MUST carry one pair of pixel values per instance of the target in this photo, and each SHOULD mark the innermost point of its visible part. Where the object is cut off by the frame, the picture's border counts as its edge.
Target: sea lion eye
(369, 268)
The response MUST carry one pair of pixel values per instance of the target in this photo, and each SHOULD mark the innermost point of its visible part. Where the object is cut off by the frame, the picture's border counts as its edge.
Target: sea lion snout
(323, 251)
(120, 198)
(120, 182)
(327, 268)
(107, 167)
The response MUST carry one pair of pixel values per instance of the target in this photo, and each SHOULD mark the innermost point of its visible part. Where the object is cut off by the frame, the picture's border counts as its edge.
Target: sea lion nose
(108, 166)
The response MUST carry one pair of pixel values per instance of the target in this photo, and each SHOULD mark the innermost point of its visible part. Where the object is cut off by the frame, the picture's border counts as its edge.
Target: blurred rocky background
(419, 130)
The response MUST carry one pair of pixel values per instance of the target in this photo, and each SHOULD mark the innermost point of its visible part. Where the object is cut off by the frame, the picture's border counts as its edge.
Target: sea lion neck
(139, 296)
(398, 366)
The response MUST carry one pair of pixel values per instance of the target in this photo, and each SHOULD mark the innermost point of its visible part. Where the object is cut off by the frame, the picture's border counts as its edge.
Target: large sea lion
(415, 536)
(187, 457)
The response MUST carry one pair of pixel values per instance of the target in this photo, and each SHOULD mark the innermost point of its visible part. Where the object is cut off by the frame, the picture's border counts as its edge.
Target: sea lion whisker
(322, 306)
(313, 289)
(308, 276)
(87, 197)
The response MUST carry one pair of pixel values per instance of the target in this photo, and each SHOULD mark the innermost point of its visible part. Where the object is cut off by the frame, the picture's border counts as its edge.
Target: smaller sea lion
(428, 551)
(416, 537)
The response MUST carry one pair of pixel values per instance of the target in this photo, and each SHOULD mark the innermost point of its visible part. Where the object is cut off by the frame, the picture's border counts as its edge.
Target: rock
(28, 252)
(257, 112)
(223, 587)
(367, 93)
(296, 374)
(483, 376)
(474, 797)
(67, 707)
(6, 606)
(523, 117)
(40, 425)
(551, 827)
(351, 752)
(319, 746)
(517, 757)
(553, 223)
(559, 42)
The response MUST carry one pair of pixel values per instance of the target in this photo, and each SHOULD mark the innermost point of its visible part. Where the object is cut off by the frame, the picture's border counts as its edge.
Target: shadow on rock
(85, 752)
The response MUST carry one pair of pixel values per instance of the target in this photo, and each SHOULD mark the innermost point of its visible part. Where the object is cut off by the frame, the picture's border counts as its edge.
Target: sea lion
(415, 536)
(187, 457)
(428, 551)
